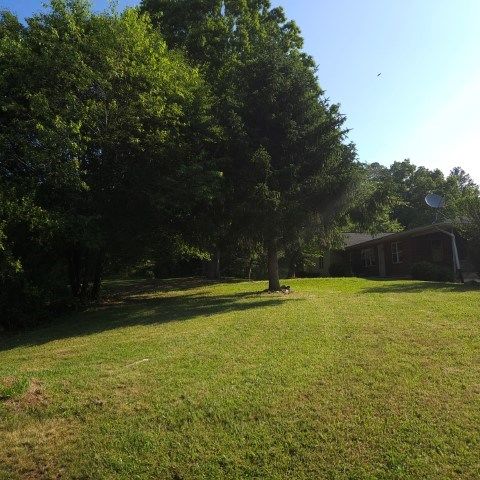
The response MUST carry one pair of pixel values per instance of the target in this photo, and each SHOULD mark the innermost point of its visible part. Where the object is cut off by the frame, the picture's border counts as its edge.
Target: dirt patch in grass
(66, 353)
(33, 452)
(21, 394)
(11, 387)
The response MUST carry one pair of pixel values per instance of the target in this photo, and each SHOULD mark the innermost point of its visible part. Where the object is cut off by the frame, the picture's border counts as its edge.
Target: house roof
(363, 239)
(354, 238)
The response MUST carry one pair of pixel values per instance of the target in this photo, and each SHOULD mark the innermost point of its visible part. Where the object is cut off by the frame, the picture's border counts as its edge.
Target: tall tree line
(179, 130)
(171, 129)
(406, 185)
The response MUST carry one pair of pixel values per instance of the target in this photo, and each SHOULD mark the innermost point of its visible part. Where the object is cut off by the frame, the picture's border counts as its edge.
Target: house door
(381, 260)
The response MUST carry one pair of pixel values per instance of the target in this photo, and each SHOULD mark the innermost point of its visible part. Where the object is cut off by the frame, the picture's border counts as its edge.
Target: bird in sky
(379, 74)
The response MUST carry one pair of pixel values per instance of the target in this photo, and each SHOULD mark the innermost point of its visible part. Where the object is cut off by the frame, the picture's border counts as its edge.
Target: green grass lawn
(344, 378)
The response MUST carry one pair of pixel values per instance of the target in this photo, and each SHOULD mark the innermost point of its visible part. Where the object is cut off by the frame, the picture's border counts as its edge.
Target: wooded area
(179, 136)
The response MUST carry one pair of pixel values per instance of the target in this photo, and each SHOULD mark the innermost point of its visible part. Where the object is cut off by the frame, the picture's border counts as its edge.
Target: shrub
(339, 270)
(21, 304)
(431, 271)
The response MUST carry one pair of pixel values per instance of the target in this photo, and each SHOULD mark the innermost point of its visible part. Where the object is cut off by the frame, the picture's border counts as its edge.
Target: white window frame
(397, 253)
(367, 256)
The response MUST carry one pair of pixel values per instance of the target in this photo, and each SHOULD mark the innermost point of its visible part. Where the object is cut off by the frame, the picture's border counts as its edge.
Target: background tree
(375, 202)
(463, 206)
(404, 186)
(468, 223)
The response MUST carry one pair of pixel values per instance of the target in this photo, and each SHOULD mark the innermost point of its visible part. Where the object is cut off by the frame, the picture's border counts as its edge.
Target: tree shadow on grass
(412, 286)
(136, 310)
(119, 288)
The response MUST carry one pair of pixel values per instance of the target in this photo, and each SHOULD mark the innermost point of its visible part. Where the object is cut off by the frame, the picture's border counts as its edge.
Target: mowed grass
(342, 379)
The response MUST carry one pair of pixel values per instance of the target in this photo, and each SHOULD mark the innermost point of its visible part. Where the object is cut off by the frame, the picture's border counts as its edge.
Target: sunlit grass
(344, 378)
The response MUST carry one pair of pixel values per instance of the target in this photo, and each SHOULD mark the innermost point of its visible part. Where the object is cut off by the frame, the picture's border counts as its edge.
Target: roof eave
(406, 233)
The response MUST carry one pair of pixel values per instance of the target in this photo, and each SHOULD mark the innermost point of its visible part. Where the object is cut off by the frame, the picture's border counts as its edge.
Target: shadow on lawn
(130, 310)
(121, 288)
(417, 287)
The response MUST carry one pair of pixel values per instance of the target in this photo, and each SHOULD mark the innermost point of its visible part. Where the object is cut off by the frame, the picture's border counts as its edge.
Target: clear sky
(425, 105)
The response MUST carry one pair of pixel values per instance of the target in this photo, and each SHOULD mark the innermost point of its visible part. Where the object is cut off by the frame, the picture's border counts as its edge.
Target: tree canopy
(406, 185)
(103, 134)
(287, 168)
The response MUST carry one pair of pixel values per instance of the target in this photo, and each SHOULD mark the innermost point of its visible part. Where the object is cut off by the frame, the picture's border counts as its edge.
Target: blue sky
(425, 105)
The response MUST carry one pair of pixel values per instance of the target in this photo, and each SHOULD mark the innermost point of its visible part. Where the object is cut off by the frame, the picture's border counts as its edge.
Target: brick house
(394, 254)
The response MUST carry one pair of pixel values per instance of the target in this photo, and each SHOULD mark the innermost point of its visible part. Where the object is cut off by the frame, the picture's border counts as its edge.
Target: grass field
(342, 379)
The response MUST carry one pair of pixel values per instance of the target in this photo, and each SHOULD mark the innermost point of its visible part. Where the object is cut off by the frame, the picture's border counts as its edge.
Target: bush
(33, 292)
(339, 270)
(432, 272)
(473, 247)
(21, 304)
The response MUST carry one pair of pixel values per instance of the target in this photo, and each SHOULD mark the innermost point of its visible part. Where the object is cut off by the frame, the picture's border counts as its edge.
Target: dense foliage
(431, 271)
(101, 148)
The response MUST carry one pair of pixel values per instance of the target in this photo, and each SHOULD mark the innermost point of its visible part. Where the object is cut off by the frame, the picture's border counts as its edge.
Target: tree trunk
(250, 268)
(74, 272)
(84, 290)
(213, 267)
(97, 278)
(273, 278)
(292, 269)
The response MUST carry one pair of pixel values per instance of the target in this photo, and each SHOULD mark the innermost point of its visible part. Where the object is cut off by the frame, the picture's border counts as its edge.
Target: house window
(367, 256)
(397, 252)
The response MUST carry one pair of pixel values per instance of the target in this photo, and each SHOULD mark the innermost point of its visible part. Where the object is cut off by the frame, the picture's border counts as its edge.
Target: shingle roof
(354, 238)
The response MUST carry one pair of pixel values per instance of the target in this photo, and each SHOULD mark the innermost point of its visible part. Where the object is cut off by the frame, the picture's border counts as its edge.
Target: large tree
(218, 36)
(286, 167)
(298, 170)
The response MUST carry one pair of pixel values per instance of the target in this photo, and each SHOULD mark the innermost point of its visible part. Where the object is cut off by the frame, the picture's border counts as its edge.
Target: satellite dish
(435, 201)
